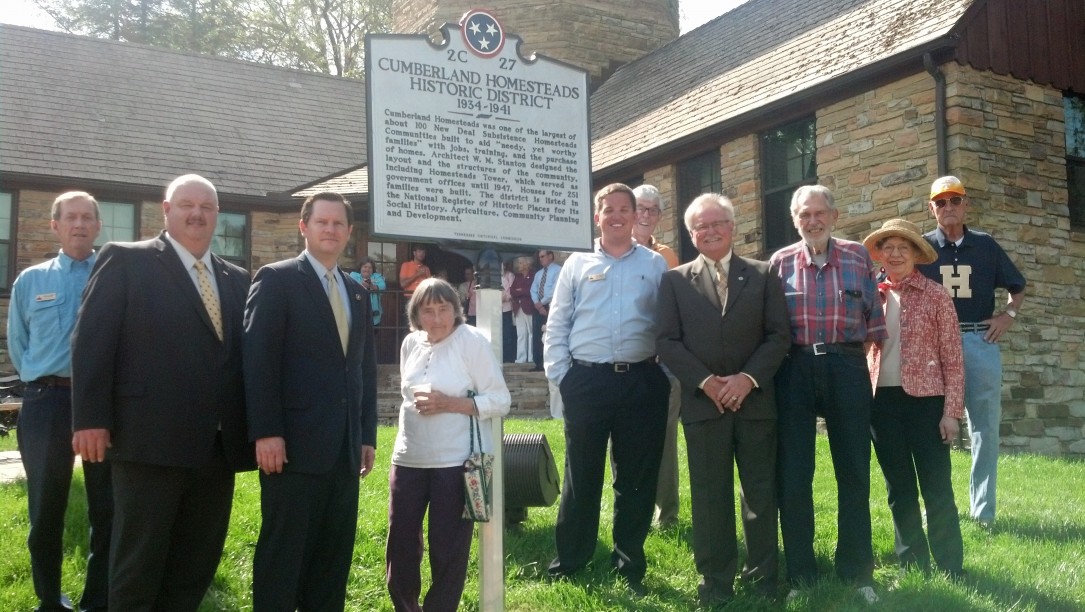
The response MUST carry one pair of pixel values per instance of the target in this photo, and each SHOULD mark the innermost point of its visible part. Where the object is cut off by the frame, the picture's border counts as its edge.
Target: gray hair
(702, 202)
(650, 193)
(188, 179)
(430, 291)
(68, 196)
(803, 193)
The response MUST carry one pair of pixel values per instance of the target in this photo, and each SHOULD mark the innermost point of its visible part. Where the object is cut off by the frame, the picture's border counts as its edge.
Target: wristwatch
(1012, 313)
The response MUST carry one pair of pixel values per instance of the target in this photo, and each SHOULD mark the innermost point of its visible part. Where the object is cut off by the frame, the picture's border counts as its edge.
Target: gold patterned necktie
(721, 286)
(338, 311)
(207, 294)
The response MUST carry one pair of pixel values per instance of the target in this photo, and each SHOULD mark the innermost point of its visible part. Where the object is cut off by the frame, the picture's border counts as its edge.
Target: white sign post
(468, 141)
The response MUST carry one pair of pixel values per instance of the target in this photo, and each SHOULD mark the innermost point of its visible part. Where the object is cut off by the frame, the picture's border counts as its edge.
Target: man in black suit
(310, 383)
(156, 380)
(725, 358)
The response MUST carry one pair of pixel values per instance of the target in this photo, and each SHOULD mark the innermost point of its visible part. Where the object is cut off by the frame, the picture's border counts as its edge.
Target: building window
(697, 175)
(383, 255)
(788, 161)
(231, 238)
(1075, 158)
(6, 200)
(118, 222)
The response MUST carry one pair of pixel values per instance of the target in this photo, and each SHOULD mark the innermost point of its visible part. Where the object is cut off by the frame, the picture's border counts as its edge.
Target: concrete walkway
(11, 467)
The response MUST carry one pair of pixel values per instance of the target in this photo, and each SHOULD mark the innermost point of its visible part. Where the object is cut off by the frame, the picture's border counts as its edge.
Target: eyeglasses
(647, 210)
(942, 202)
(715, 225)
(890, 249)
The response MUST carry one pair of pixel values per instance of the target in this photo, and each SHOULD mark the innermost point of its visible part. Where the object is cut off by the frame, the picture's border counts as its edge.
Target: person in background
(468, 295)
(918, 379)
(523, 309)
(447, 374)
(542, 291)
(971, 265)
(832, 302)
(41, 315)
(649, 211)
(413, 272)
(373, 282)
(508, 328)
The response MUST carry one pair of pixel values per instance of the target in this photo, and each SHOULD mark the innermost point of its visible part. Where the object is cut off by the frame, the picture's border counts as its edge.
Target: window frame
(102, 204)
(245, 260)
(9, 242)
(776, 198)
(690, 177)
(1075, 159)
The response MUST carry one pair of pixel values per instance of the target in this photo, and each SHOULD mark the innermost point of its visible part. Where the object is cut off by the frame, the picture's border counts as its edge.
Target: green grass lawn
(1033, 560)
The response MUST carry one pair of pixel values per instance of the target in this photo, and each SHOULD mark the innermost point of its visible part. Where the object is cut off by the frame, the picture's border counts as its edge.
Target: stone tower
(598, 36)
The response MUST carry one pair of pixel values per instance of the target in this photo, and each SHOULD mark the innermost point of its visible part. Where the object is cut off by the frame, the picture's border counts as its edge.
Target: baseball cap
(947, 184)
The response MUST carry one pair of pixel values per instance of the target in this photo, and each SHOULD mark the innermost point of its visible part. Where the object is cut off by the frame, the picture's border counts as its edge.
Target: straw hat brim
(924, 251)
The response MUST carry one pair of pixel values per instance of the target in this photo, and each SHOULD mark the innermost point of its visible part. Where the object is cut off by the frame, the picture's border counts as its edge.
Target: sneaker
(869, 595)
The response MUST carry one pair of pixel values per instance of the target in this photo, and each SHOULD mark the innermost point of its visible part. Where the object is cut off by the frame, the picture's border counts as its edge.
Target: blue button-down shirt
(604, 309)
(552, 272)
(41, 316)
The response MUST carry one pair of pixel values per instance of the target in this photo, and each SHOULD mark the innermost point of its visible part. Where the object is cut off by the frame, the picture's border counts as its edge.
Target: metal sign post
(491, 549)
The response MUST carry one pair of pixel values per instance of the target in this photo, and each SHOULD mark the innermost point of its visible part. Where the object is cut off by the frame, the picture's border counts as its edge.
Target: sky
(693, 13)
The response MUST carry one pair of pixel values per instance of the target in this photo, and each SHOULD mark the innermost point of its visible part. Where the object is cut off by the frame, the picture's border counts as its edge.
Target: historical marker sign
(468, 141)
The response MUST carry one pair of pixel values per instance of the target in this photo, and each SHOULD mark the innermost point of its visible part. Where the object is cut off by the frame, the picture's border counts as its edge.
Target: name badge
(597, 277)
(45, 297)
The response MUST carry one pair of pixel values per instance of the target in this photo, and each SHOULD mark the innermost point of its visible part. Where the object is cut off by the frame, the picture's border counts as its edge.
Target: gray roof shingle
(761, 52)
(92, 109)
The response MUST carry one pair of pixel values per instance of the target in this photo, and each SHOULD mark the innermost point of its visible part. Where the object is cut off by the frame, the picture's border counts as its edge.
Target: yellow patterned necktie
(338, 311)
(207, 294)
(721, 286)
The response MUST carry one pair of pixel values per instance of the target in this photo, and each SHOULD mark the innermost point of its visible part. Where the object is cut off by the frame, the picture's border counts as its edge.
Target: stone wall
(1005, 140)
(591, 35)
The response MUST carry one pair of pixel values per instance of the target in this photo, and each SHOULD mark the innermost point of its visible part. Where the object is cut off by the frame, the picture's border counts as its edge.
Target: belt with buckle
(53, 381)
(617, 367)
(974, 327)
(825, 348)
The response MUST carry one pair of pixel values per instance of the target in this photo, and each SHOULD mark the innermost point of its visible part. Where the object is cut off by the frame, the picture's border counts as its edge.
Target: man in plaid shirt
(832, 302)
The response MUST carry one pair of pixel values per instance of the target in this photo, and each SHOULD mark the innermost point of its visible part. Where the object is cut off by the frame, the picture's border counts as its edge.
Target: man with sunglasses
(971, 265)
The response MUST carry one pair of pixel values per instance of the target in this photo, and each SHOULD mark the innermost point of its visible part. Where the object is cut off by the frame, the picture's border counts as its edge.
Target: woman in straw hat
(918, 378)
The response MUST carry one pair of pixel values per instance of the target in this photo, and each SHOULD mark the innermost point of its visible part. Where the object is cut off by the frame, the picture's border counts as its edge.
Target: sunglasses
(942, 202)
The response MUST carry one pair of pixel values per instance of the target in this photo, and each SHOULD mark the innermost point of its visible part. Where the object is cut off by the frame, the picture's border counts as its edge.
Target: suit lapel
(700, 276)
(179, 275)
(356, 302)
(228, 299)
(315, 288)
(736, 280)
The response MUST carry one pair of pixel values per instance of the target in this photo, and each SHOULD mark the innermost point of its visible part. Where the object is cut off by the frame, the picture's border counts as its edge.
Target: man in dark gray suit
(311, 388)
(723, 331)
(156, 380)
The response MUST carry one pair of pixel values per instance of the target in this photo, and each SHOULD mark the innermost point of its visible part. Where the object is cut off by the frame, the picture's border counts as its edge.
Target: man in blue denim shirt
(44, 302)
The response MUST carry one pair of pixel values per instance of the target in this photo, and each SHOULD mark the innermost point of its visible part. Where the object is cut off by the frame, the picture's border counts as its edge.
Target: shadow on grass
(1010, 595)
(1056, 532)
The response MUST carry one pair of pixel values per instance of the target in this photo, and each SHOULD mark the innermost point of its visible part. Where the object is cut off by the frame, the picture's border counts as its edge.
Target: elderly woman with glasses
(918, 378)
(448, 374)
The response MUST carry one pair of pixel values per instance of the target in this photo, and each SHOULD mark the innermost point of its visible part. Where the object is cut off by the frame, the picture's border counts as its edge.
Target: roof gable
(761, 52)
(92, 109)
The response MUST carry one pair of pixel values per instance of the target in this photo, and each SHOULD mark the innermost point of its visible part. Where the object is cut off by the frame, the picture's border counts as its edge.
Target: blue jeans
(838, 388)
(45, 443)
(983, 404)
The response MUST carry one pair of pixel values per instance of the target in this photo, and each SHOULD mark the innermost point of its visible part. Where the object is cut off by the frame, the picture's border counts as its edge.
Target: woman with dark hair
(918, 379)
(448, 374)
(374, 282)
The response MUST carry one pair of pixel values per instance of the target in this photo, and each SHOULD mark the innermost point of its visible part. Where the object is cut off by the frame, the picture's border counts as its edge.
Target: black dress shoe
(537, 369)
(636, 589)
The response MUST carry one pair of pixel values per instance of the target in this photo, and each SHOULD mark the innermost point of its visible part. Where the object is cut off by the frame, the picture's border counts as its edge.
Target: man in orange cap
(971, 265)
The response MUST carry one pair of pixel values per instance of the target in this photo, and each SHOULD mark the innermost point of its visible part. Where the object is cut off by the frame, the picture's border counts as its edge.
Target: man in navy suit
(310, 385)
(156, 380)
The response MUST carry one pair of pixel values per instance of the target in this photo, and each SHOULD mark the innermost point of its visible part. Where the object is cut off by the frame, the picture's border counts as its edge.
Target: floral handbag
(478, 473)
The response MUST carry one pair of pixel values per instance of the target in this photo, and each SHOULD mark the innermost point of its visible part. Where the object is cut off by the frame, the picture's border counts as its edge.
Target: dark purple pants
(412, 490)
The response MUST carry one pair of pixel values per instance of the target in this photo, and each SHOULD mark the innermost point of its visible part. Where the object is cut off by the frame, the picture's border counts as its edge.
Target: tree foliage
(317, 35)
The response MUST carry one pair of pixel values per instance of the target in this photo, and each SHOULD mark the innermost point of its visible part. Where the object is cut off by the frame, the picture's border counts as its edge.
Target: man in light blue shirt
(41, 315)
(600, 350)
(542, 293)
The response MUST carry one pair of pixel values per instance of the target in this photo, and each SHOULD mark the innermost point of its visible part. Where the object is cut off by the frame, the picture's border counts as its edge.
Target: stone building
(873, 98)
